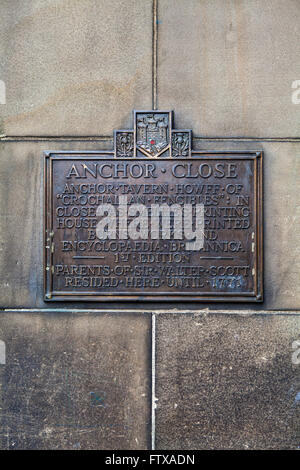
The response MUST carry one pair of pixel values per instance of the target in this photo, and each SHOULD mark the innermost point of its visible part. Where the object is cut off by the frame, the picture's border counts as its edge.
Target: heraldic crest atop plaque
(153, 136)
(153, 219)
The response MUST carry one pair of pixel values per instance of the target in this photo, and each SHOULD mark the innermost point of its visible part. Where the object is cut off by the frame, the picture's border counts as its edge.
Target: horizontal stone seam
(248, 139)
(152, 311)
(53, 138)
(110, 139)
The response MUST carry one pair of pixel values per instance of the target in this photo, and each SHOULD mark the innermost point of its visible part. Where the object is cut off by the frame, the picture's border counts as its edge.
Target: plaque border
(48, 246)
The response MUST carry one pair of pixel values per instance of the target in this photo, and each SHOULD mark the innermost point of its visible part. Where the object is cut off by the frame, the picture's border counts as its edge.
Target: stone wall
(81, 375)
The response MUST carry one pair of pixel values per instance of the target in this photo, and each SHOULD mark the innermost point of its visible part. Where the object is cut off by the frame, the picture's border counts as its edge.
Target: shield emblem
(152, 132)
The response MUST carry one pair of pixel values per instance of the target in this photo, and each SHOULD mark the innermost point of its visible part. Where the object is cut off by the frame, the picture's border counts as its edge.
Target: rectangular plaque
(129, 260)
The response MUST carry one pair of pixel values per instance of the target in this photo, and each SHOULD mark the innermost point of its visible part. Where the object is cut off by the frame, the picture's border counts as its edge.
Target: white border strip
(153, 399)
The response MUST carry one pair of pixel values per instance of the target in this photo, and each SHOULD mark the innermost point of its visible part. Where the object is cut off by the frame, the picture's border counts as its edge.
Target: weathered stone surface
(74, 67)
(21, 208)
(228, 67)
(227, 381)
(75, 382)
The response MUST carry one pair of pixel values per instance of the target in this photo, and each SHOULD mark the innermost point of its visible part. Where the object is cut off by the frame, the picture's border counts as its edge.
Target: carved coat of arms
(152, 133)
(153, 136)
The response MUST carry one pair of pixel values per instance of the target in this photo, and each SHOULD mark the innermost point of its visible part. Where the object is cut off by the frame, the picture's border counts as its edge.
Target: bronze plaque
(153, 219)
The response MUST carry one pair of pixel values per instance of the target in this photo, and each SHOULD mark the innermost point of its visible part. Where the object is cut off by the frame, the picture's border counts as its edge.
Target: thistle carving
(124, 143)
(181, 143)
